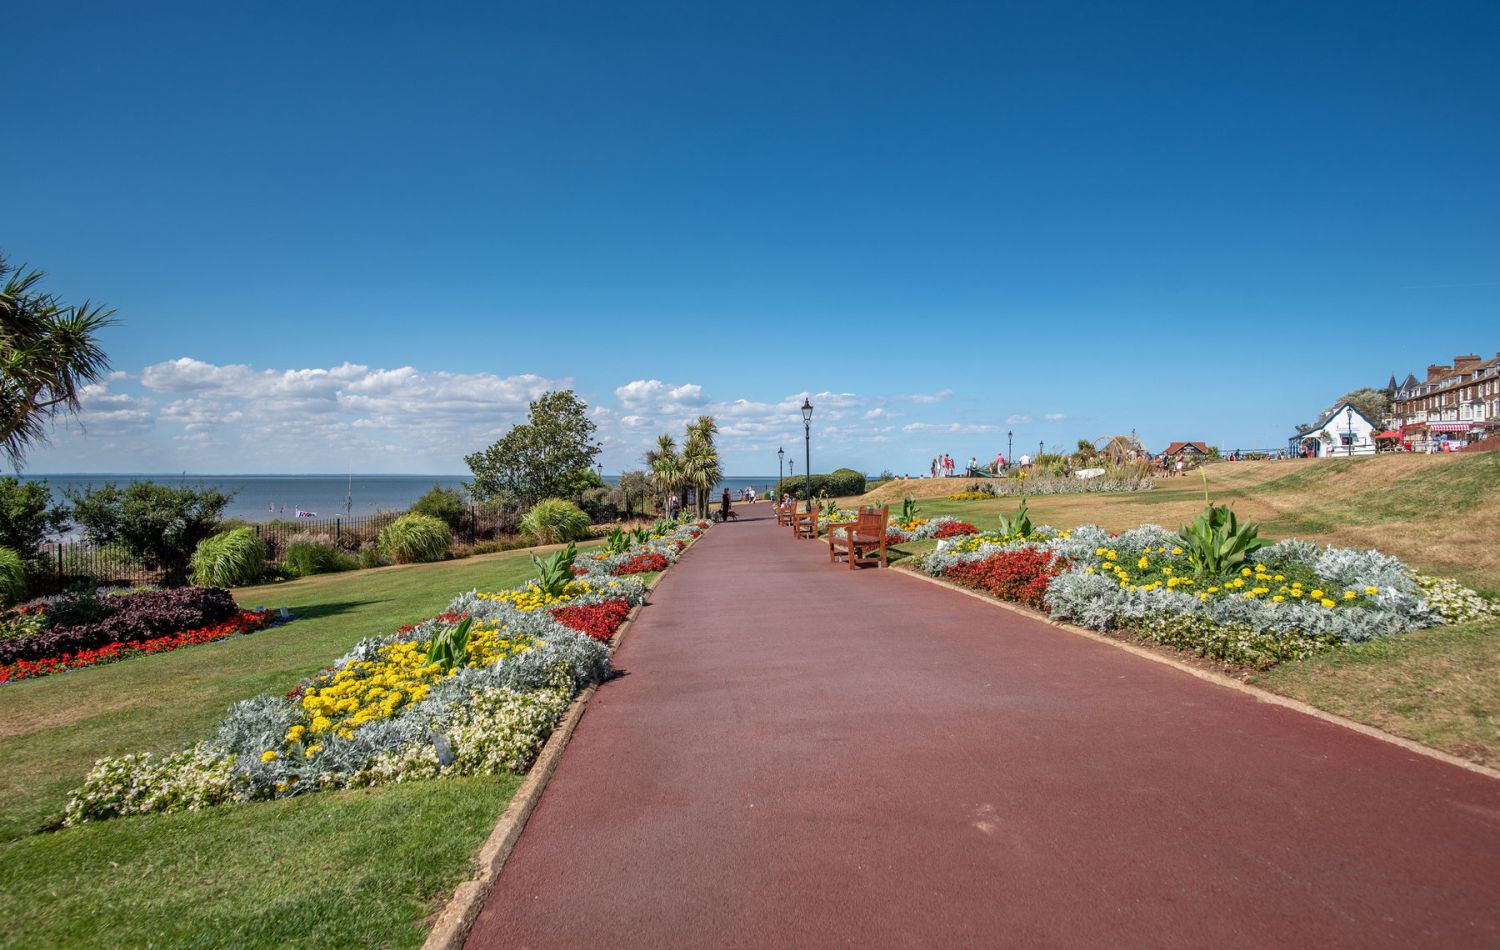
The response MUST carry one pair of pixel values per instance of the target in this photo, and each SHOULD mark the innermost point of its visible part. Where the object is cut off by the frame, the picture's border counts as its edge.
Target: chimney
(1434, 370)
(1463, 364)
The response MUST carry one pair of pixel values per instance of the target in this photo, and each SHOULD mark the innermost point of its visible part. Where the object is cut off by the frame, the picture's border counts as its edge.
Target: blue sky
(364, 235)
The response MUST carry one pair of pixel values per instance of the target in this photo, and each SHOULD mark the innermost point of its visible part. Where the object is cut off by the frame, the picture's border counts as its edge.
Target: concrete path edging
(451, 929)
(1219, 679)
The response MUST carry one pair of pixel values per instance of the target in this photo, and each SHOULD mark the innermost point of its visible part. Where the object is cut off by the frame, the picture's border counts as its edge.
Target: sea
(268, 497)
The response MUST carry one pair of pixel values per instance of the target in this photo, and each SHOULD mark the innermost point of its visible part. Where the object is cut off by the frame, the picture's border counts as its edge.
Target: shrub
(27, 517)
(370, 556)
(135, 618)
(78, 605)
(229, 559)
(555, 521)
(304, 558)
(445, 504)
(12, 577)
(412, 539)
(839, 484)
(1021, 576)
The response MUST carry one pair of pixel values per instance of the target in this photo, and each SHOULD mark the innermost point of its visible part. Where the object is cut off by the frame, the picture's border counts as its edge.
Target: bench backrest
(872, 521)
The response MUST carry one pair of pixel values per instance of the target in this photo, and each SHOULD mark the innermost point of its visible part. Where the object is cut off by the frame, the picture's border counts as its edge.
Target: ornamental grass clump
(12, 577)
(317, 556)
(229, 559)
(555, 521)
(414, 539)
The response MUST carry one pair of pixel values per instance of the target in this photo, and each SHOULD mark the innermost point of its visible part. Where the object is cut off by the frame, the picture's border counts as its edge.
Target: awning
(1387, 435)
(1449, 426)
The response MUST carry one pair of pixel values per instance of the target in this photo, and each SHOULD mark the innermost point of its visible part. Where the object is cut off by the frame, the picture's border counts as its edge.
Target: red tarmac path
(803, 755)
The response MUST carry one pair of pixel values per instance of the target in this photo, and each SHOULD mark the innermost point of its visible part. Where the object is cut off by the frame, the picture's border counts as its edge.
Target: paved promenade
(800, 755)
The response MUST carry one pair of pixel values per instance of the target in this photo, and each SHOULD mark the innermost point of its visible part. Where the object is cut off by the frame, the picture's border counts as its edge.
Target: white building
(1341, 431)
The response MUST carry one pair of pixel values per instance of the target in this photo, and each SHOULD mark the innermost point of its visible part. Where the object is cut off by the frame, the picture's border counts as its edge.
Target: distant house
(1341, 431)
(1189, 452)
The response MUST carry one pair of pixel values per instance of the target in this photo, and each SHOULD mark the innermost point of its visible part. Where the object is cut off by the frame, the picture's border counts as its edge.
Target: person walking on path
(672, 508)
(724, 506)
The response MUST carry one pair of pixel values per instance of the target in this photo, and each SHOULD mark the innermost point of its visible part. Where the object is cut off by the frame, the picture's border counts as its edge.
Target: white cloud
(654, 392)
(1055, 416)
(1017, 419)
(926, 398)
(955, 427)
(880, 412)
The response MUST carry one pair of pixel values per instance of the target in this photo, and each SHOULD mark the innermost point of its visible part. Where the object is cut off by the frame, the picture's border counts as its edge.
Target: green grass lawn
(355, 867)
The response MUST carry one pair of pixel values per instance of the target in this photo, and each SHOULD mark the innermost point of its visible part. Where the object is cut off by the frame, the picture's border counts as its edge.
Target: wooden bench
(784, 512)
(860, 537)
(805, 524)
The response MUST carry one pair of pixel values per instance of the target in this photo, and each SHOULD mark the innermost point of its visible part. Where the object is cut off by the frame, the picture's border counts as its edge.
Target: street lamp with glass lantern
(1349, 428)
(1010, 448)
(807, 408)
(780, 471)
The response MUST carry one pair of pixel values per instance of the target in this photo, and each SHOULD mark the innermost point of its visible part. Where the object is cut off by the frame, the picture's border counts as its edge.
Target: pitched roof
(1336, 410)
(1176, 447)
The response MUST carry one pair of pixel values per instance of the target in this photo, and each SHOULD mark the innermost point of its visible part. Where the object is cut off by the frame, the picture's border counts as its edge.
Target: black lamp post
(1038, 446)
(780, 471)
(807, 408)
(1349, 427)
(1010, 448)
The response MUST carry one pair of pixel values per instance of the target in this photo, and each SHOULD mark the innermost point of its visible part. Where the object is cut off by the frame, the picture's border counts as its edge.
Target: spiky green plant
(12, 577)
(618, 541)
(1216, 542)
(555, 571)
(304, 558)
(450, 646)
(229, 559)
(909, 508)
(1018, 526)
(555, 521)
(412, 539)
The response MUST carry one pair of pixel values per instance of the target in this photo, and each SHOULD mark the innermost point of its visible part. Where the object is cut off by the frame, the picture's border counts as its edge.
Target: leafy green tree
(1373, 404)
(48, 353)
(634, 487)
(551, 454)
(159, 524)
(27, 517)
(445, 504)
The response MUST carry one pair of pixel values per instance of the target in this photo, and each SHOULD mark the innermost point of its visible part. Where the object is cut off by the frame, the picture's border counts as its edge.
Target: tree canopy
(549, 455)
(27, 517)
(160, 524)
(48, 353)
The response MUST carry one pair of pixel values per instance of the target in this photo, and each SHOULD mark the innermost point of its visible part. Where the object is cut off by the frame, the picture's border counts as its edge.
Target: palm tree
(48, 353)
(665, 467)
(701, 460)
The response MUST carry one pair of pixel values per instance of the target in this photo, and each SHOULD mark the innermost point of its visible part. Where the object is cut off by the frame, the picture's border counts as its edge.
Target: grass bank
(350, 868)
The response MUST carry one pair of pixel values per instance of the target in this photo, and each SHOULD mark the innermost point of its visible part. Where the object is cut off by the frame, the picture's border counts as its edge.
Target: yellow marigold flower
(268, 756)
(321, 724)
(1327, 603)
(1245, 572)
(1110, 555)
(1204, 596)
(1372, 591)
(1278, 599)
(1317, 593)
(1143, 563)
(1260, 567)
(1350, 595)
(1213, 590)
(1177, 550)
(295, 733)
(1279, 577)
(1099, 551)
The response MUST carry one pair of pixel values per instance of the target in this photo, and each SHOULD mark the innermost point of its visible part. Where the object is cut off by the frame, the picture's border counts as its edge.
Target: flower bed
(132, 618)
(1021, 576)
(643, 564)
(599, 621)
(475, 690)
(246, 622)
(919, 529)
(1286, 601)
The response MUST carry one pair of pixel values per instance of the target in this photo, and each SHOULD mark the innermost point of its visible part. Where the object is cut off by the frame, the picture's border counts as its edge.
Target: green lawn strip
(52, 729)
(1439, 686)
(349, 868)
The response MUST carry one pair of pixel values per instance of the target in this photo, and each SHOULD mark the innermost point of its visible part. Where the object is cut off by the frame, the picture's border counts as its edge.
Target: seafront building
(1456, 404)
